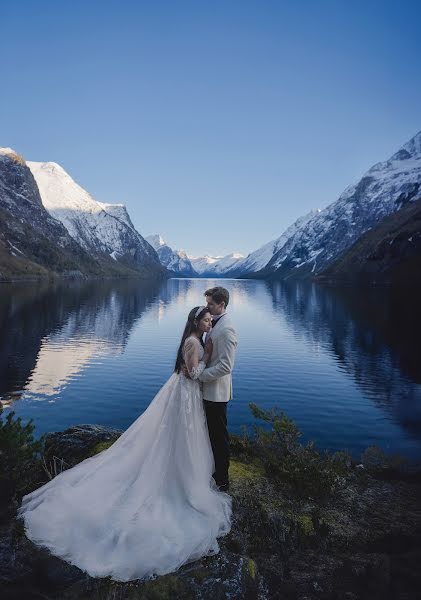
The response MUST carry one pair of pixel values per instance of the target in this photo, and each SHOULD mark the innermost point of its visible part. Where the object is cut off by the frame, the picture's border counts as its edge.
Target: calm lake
(343, 363)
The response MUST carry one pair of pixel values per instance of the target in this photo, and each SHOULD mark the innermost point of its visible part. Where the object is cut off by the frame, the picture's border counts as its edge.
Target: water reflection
(49, 333)
(373, 333)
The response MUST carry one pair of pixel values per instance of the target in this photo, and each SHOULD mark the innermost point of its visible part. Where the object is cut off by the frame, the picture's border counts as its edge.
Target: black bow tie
(215, 321)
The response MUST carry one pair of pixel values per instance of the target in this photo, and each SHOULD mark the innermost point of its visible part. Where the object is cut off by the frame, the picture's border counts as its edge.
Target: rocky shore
(362, 541)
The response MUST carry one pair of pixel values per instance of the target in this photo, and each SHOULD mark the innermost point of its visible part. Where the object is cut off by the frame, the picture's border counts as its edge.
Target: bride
(148, 504)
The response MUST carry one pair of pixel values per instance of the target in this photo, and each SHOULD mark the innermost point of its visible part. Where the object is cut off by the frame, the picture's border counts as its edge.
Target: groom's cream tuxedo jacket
(216, 378)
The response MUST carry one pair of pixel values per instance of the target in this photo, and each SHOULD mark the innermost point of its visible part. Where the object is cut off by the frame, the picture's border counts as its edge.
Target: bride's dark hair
(191, 327)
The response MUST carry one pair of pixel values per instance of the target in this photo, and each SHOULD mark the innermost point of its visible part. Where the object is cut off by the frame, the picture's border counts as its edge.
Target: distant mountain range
(312, 245)
(183, 265)
(48, 223)
(258, 259)
(175, 261)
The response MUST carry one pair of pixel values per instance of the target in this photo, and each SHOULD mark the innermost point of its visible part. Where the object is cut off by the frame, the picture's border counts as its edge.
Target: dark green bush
(20, 455)
(379, 464)
(312, 473)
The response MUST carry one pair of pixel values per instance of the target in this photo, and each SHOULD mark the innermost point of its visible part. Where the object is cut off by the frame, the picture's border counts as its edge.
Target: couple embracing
(157, 498)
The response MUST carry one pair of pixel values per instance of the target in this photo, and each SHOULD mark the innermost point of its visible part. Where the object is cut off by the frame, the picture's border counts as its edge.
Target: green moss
(167, 587)
(239, 470)
(251, 568)
(100, 447)
(305, 523)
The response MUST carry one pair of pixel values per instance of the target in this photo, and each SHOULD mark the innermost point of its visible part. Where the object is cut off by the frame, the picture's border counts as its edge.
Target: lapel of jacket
(219, 327)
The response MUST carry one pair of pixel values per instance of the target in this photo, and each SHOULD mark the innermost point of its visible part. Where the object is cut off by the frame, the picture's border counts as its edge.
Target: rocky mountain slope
(388, 253)
(32, 243)
(104, 230)
(191, 266)
(259, 259)
(318, 241)
(176, 261)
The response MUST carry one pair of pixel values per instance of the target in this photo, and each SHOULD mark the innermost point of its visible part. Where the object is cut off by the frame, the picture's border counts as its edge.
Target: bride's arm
(191, 356)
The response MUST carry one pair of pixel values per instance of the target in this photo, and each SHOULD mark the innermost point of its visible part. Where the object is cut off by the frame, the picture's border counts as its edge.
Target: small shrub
(312, 473)
(20, 455)
(377, 462)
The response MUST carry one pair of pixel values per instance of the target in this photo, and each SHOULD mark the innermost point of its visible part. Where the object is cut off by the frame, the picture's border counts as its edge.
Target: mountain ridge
(100, 228)
(34, 243)
(381, 191)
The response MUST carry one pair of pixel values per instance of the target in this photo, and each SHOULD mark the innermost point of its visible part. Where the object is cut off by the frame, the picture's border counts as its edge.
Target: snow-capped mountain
(258, 259)
(32, 242)
(119, 211)
(174, 260)
(224, 265)
(322, 238)
(192, 266)
(215, 266)
(98, 227)
(204, 264)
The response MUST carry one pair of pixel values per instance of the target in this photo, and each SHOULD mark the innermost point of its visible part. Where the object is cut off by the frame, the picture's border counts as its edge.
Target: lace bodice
(193, 354)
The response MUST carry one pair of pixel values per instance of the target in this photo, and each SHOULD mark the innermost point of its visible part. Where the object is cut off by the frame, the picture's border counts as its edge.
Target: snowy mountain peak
(182, 263)
(96, 226)
(206, 258)
(215, 265)
(50, 167)
(384, 188)
(174, 260)
(7, 151)
(156, 241)
(413, 147)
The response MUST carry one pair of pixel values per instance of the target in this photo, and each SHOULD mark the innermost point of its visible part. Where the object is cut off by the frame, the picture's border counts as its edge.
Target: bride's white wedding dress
(146, 505)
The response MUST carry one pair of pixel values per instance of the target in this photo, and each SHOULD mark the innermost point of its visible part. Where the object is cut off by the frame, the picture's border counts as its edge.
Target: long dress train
(146, 505)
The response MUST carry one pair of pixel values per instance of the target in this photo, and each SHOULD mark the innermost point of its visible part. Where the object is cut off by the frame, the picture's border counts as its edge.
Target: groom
(217, 381)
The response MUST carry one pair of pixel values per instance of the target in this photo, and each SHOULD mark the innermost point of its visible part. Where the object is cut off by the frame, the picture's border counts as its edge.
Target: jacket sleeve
(225, 363)
(191, 358)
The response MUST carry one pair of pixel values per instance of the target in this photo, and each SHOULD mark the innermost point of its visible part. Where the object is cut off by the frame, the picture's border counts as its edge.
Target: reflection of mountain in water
(73, 323)
(174, 291)
(374, 333)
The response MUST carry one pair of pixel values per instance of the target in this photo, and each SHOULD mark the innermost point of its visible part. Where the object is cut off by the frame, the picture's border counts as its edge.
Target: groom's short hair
(219, 294)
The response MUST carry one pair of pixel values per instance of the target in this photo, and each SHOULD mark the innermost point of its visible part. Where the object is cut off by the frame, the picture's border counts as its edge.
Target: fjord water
(343, 363)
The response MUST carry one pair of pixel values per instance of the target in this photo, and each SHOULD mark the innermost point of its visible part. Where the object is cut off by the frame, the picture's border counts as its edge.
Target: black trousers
(216, 416)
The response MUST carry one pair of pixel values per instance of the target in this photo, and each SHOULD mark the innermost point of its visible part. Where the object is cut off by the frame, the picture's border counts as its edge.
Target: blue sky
(216, 123)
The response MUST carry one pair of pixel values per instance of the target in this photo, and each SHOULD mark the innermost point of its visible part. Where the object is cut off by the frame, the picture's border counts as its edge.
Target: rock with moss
(79, 442)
